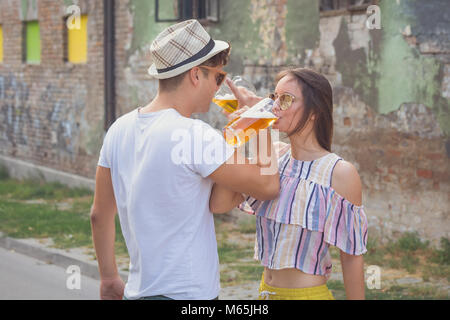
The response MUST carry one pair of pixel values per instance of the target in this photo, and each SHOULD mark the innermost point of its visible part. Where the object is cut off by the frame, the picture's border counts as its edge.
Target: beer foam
(259, 115)
(227, 96)
(260, 110)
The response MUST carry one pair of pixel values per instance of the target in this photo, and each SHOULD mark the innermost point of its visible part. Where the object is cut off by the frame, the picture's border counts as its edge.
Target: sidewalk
(41, 249)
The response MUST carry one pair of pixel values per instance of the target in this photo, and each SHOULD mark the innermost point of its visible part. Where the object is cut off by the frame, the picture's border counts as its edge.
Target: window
(1, 44)
(75, 50)
(344, 6)
(32, 42)
(179, 10)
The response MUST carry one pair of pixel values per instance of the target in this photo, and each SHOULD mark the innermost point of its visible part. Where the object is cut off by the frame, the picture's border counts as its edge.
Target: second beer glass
(225, 98)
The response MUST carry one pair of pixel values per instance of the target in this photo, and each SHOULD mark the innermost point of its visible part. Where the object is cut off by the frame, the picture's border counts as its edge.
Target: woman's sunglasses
(285, 100)
(220, 75)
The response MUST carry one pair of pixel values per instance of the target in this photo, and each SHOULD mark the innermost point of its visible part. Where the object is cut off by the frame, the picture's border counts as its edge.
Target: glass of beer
(225, 98)
(247, 125)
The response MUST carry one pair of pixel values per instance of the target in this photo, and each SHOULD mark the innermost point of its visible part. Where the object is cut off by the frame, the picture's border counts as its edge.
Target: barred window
(178, 10)
(344, 6)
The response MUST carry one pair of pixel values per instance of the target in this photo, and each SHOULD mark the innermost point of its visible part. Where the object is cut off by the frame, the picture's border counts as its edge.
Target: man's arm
(260, 180)
(222, 200)
(103, 214)
(228, 178)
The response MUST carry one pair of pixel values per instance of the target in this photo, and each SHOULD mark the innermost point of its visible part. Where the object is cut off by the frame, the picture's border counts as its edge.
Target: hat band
(206, 49)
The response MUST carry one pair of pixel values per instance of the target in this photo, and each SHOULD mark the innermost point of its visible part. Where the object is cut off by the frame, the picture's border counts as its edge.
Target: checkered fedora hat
(181, 47)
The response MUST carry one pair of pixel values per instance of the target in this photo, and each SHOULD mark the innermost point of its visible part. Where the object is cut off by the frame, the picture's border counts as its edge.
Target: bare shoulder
(347, 182)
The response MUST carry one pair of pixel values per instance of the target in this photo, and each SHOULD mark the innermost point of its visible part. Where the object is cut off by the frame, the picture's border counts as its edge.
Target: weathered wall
(52, 112)
(391, 90)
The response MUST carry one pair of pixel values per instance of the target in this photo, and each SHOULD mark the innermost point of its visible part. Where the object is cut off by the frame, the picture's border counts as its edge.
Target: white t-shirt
(160, 163)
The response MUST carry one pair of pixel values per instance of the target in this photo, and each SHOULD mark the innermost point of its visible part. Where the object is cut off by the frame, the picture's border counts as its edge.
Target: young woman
(320, 201)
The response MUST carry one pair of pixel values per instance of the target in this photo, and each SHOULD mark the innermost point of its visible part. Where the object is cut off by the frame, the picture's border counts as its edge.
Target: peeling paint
(302, 29)
(389, 71)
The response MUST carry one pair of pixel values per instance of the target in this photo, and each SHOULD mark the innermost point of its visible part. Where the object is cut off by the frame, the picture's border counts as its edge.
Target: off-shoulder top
(296, 229)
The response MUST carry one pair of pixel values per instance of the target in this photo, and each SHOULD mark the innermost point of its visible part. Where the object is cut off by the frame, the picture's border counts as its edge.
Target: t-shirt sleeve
(105, 152)
(209, 149)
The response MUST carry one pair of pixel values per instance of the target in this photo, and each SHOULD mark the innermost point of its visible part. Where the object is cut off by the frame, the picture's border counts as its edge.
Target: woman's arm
(347, 183)
(353, 272)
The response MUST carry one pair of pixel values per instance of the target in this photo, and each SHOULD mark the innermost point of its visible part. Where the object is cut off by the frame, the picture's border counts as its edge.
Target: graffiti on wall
(42, 121)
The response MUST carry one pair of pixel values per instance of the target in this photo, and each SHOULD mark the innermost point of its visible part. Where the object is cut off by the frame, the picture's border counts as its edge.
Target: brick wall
(51, 113)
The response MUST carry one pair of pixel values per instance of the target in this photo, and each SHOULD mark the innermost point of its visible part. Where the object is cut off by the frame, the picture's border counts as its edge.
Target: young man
(160, 185)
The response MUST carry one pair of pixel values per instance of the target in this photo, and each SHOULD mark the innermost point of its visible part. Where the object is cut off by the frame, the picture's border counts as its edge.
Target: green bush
(4, 174)
(410, 241)
(442, 256)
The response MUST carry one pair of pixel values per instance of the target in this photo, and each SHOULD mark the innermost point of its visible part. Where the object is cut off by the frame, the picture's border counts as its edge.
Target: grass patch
(395, 292)
(32, 189)
(412, 254)
(68, 228)
(250, 272)
(247, 224)
(230, 253)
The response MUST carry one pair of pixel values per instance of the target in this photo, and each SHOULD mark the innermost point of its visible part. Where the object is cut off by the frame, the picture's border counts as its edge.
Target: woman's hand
(244, 96)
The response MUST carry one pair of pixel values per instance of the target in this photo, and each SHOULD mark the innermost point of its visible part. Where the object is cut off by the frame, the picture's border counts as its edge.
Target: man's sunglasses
(220, 75)
(285, 100)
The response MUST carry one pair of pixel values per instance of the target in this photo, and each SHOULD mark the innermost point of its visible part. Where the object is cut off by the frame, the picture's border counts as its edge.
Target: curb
(87, 269)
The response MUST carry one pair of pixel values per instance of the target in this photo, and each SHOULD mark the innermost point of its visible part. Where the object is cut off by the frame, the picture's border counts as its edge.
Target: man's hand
(236, 114)
(112, 289)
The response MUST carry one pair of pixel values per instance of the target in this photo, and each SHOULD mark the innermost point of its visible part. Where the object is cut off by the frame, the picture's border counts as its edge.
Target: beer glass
(225, 98)
(247, 125)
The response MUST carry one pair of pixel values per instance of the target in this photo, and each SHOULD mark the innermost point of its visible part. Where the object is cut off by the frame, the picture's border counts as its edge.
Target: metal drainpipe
(109, 54)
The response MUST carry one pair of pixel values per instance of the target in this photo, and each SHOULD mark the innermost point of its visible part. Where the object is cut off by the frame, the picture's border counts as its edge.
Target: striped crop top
(296, 229)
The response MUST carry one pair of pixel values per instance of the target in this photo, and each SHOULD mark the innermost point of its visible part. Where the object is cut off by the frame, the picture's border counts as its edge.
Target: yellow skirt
(267, 292)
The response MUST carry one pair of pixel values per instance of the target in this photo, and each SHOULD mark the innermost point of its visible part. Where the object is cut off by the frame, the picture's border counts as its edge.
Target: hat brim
(218, 47)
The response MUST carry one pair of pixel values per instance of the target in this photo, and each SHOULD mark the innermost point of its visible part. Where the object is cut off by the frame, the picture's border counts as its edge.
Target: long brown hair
(318, 100)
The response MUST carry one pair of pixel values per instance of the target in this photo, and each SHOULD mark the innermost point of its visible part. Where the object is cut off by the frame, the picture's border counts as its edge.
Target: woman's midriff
(292, 278)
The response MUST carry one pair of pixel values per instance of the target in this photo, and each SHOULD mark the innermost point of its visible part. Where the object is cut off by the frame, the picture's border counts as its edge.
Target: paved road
(25, 278)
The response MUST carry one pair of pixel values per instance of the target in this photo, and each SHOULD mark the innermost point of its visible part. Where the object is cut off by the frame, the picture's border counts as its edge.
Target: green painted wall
(387, 75)
(237, 27)
(405, 74)
(393, 72)
(145, 29)
(302, 28)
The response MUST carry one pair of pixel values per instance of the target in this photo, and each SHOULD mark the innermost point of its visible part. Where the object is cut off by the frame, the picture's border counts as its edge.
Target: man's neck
(164, 101)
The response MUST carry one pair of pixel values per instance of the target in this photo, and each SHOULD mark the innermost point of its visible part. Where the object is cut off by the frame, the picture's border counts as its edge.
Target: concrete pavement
(26, 278)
